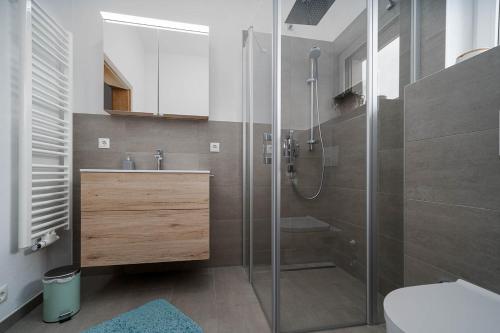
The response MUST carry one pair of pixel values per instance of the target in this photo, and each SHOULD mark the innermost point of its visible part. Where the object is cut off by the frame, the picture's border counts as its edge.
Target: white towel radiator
(45, 175)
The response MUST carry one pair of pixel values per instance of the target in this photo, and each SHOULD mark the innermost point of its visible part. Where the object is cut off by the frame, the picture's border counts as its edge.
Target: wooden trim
(112, 79)
(184, 117)
(121, 92)
(128, 113)
(153, 115)
(121, 99)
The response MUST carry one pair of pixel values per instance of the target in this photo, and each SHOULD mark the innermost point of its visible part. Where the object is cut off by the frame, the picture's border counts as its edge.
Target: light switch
(103, 143)
(214, 147)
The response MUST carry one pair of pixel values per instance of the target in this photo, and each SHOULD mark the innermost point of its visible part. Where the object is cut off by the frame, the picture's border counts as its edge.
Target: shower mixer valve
(290, 153)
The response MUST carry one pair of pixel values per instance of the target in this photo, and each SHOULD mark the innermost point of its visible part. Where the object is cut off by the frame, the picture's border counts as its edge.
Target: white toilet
(451, 307)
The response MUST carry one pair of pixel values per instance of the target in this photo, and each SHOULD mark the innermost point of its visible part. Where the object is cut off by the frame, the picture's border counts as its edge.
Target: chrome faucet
(158, 155)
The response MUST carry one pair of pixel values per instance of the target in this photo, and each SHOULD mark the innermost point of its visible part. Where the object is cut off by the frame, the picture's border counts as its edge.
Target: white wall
(226, 20)
(21, 271)
(470, 24)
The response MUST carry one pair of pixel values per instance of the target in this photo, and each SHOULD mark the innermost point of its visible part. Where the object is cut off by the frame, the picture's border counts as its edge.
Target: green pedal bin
(61, 294)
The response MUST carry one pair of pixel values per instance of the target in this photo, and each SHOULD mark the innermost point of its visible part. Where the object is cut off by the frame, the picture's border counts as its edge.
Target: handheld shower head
(314, 52)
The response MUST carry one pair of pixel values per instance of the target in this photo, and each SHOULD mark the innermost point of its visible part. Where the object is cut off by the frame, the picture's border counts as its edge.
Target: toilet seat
(454, 307)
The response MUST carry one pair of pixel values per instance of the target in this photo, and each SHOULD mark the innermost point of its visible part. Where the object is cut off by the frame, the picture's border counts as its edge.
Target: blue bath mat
(157, 316)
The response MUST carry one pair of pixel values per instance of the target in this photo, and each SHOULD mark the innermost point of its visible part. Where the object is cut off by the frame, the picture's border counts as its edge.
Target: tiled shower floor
(219, 299)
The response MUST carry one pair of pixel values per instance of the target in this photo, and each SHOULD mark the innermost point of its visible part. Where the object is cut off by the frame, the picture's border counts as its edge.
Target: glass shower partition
(323, 167)
(393, 64)
(323, 123)
(258, 159)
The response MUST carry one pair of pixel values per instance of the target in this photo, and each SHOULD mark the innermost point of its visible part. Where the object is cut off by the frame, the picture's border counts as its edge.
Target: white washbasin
(144, 171)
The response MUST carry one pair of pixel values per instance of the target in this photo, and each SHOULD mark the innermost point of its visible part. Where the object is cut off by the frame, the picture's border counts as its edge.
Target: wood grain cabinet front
(134, 218)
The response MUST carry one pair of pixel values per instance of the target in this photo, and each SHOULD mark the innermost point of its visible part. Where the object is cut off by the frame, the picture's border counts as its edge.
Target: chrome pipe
(311, 81)
(371, 160)
(415, 41)
(276, 166)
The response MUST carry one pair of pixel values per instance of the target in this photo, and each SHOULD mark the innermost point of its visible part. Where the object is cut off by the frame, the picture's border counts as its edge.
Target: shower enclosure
(323, 161)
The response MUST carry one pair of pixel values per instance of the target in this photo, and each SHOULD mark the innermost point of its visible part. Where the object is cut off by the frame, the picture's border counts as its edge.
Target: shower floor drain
(312, 265)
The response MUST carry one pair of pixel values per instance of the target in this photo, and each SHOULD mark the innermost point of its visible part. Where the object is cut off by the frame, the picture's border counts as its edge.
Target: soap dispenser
(128, 164)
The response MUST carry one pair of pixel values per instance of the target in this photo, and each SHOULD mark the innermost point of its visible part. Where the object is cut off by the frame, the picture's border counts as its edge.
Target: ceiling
(340, 15)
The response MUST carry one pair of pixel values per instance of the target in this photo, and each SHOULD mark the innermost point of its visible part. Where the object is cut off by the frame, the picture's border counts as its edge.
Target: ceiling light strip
(155, 23)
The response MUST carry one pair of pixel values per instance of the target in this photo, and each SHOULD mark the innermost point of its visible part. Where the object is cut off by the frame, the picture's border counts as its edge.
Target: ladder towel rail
(46, 132)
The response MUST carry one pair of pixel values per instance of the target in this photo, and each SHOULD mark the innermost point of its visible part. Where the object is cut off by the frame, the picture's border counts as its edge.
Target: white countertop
(145, 171)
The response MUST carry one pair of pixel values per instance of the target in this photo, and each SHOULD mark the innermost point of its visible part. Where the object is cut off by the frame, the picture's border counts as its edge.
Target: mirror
(155, 67)
(183, 79)
(130, 68)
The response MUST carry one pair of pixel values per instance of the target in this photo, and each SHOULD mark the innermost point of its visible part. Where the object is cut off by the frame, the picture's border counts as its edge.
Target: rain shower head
(314, 52)
(308, 12)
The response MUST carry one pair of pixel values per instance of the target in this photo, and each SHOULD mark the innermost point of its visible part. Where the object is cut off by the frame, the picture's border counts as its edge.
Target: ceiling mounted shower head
(308, 12)
(314, 53)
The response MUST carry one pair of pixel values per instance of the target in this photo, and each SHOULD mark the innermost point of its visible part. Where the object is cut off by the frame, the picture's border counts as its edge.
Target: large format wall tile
(461, 169)
(390, 173)
(432, 36)
(226, 202)
(461, 99)
(390, 212)
(452, 175)
(390, 264)
(418, 272)
(391, 124)
(87, 128)
(458, 239)
(225, 242)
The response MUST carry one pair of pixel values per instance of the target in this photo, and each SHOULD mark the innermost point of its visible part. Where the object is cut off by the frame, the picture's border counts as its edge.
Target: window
(388, 70)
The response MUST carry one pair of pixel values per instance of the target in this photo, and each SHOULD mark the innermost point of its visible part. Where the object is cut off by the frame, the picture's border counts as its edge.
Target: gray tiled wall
(453, 174)
(432, 37)
(186, 146)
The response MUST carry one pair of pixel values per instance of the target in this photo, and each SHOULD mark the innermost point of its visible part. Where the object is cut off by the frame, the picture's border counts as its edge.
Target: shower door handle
(267, 148)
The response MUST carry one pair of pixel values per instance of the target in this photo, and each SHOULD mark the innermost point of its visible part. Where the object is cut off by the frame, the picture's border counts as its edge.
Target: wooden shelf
(154, 115)
(121, 93)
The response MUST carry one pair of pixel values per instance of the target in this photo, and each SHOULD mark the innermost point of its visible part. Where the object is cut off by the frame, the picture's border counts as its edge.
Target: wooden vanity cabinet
(141, 217)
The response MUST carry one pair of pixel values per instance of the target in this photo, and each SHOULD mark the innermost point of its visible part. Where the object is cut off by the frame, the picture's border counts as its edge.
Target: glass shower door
(323, 167)
(393, 75)
(336, 211)
(258, 160)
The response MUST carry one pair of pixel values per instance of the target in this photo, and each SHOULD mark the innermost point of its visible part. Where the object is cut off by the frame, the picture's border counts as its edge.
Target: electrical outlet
(214, 147)
(103, 143)
(3, 293)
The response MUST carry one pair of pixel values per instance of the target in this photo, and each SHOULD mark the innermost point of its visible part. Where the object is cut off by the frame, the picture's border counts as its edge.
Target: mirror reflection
(130, 68)
(155, 67)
